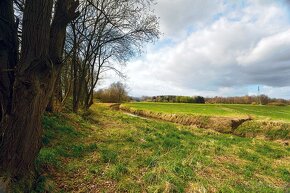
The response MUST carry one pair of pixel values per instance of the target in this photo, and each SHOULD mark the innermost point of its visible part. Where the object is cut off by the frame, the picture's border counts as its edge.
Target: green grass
(270, 130)
(113, 152)
(256, 111)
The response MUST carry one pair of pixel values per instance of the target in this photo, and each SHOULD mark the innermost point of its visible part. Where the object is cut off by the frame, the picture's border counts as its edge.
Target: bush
(177, 99)
(277, 104)
(116, 93)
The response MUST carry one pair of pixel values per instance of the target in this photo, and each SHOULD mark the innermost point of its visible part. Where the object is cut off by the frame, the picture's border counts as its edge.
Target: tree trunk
(21, 128)
(34, 82)
(50, 106)
(57, 39)
(8, 60)
(58, 93)
(75, 86)
(75, 73)
(8, 55)
(55, 101)
(91, 102)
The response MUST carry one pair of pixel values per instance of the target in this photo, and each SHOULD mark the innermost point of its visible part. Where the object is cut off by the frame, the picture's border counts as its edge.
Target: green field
(258, 112)
(109, 151)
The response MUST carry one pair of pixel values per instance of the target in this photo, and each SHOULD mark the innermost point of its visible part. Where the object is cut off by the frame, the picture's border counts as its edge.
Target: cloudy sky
(216, 48)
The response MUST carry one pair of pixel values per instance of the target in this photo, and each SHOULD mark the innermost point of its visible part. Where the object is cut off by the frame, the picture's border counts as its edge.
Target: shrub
(277, 104)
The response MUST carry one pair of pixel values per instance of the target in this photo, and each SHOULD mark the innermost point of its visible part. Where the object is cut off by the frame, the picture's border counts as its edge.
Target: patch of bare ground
(271, 180)
(197, 188)
(285, 161)
(223, 159)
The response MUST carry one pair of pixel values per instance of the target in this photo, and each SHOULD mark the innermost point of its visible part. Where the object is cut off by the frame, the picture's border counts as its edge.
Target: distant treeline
(175, 99)
(261, 99)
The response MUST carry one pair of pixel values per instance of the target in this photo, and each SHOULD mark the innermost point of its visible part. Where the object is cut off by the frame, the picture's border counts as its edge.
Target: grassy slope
(260, 112)
(113, 152)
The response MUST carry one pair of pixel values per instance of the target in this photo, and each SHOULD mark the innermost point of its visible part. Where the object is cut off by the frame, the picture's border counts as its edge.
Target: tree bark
(75, 72)
(35, 77)
(55, 101)
(65, 12)
(21, 128)
(8, 55)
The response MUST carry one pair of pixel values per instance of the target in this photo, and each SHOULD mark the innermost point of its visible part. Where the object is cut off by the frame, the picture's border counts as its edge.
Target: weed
(129, 186)
(109, 156)
(94, 169)
(282, 133)
(270, 152)
(244, 154)
(48, 157)
(151, 178)
(117, 171)
(285, 174)
(169, 143)
(151, 161)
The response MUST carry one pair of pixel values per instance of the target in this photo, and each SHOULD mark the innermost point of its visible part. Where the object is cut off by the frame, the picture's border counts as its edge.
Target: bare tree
(106, 35)
(115, 93)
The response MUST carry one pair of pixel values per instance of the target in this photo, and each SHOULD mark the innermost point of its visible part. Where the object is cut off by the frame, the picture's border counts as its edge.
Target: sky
(215, 48)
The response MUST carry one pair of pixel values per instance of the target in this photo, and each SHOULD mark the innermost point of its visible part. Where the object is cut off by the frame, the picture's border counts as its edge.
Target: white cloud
(275, 48)
(178, 16)
(235, 45)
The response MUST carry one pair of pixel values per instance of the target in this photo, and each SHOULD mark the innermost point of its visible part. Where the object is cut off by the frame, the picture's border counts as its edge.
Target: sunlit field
(115, 152)
(256, 111)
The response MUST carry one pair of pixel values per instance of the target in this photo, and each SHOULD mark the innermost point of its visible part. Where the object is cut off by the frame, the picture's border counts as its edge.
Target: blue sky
(216, 48)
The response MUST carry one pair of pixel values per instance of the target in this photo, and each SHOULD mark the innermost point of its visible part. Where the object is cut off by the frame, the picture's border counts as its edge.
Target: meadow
(108, 151)
(261, 112)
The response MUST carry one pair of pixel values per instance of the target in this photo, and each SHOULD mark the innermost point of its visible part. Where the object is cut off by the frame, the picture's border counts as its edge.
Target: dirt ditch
(241, 126)
(221, 124)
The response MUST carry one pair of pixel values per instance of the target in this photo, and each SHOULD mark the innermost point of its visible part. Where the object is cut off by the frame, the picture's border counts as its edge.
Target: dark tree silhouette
(27, 84)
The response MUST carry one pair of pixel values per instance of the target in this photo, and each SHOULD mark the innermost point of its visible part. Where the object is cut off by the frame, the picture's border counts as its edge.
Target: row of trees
(175, 99)
(103, 38)
(51, 50)
(260, 99)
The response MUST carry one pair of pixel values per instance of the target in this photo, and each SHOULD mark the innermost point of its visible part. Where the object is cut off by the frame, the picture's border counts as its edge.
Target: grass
(270, 130)
(259, 112)
(113, 152)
